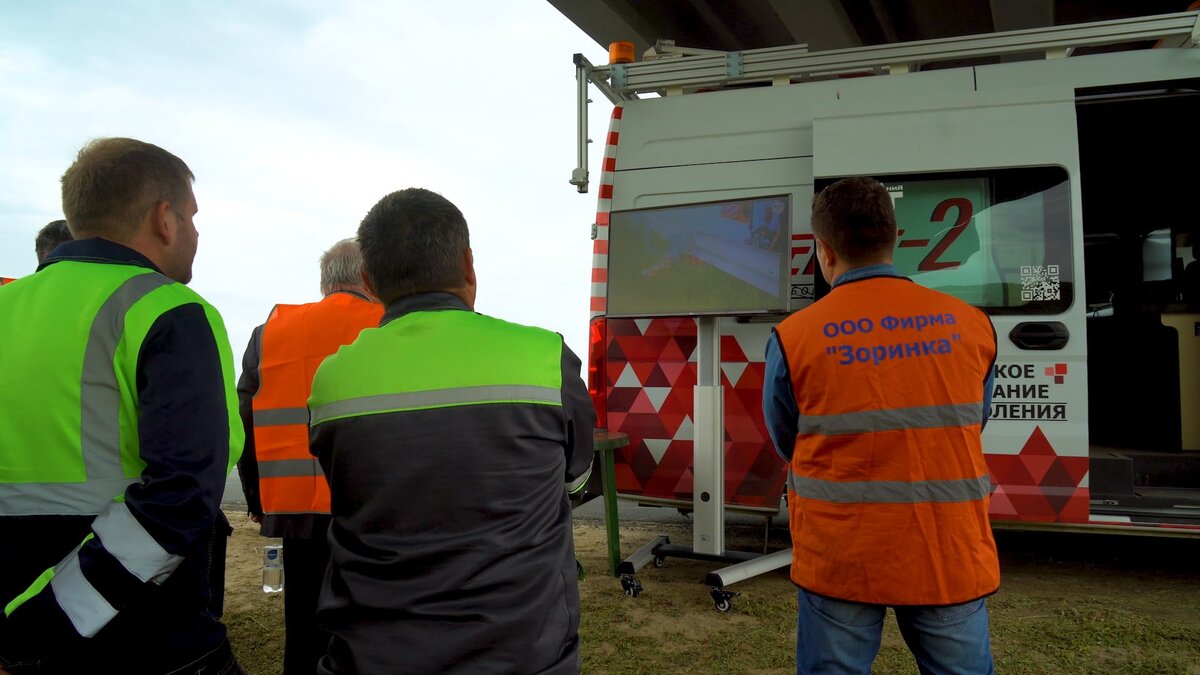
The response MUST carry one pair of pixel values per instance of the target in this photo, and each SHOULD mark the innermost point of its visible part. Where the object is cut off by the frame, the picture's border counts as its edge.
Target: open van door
(987, 195)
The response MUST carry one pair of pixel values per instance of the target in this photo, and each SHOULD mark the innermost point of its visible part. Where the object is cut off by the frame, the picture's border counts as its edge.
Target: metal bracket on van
(733, 64)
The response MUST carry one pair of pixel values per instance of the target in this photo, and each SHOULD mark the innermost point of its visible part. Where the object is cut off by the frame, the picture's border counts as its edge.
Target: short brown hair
(114, 182)
(412, 242)
(856, 218)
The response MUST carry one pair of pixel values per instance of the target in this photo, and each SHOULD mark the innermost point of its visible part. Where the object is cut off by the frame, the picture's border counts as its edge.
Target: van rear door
(987, 201)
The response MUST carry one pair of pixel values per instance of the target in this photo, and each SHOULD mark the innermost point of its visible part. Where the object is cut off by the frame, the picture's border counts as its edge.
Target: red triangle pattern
(659, 357)
(1037, 484)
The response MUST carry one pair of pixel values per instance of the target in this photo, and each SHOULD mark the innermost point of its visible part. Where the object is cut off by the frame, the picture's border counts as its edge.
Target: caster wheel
(631, 586)
(659, 561)
(723, 599)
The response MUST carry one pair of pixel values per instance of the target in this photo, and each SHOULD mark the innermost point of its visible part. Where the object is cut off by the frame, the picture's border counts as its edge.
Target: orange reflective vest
(295, 340)
(888, 487)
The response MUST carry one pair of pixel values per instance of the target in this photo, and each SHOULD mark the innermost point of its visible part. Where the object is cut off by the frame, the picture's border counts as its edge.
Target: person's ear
(825, 254)
(161, 224)
(827, 257)
(469, 266)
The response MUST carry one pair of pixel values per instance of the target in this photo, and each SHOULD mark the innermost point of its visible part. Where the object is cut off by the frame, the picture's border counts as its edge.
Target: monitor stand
(708, 489)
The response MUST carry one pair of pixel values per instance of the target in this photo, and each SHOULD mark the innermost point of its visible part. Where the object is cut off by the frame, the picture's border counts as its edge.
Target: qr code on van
(1040, 282)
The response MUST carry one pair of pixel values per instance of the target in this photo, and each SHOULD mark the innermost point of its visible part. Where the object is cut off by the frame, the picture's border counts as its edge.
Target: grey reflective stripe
(60, 499)
(891, 492)
(100, 394)
(437, 398)
(79, 599)
(283, 468)
(919, 417)
(125, 538)
(578, 484)
(277, 417)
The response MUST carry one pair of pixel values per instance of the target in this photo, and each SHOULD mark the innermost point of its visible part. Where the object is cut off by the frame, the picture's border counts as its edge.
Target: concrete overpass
(732, 25)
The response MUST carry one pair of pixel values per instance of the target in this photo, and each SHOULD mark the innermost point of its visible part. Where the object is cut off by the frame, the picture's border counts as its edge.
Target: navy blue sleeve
(988, 385)
(779, 400)
(580, 416)
(989, 382)
(184, 429)
(247, 387)
(138, 542)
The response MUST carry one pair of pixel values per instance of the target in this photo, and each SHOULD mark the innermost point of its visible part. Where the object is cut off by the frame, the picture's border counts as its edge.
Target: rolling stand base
(745, 565)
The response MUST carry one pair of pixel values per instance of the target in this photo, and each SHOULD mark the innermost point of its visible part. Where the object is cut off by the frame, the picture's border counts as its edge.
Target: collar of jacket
(97, 250)
(360, 296)
(422, 302)
(866, 272)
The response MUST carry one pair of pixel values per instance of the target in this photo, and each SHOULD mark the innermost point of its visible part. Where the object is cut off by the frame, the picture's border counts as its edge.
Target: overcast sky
(296, 116)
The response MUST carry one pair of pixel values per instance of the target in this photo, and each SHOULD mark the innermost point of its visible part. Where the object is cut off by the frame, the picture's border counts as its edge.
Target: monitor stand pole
(708, 489)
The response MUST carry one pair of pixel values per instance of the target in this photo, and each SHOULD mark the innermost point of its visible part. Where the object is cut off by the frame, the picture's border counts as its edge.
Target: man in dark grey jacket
(446, 436)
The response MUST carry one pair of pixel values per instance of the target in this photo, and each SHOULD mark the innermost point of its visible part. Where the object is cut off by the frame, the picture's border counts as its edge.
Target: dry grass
(1069, 604)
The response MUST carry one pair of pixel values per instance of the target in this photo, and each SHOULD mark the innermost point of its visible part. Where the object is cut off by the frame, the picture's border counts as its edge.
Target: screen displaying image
(719, 258)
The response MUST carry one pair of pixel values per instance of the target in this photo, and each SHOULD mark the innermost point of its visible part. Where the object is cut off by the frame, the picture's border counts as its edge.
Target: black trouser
(304, 562)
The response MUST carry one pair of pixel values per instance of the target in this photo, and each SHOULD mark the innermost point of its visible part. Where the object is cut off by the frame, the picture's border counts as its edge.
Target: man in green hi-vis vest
(118, 428)
(446, 436)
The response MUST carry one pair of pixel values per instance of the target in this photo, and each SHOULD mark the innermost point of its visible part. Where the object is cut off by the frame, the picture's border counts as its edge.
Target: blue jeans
(837, 637)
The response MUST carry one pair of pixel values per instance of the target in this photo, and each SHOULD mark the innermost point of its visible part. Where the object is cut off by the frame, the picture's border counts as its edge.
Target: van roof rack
(675, 70)
(692, 68)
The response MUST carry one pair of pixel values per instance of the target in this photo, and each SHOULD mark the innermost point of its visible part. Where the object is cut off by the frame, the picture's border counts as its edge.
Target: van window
(998, 239)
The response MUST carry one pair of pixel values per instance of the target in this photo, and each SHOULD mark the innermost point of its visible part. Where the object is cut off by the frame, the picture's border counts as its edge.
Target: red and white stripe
(603, 208)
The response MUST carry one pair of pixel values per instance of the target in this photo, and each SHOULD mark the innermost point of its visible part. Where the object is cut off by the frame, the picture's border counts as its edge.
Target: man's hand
(253, 517)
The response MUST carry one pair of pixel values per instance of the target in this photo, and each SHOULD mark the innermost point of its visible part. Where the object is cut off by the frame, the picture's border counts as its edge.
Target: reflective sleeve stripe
(285, 468)
(276, 417)
(577, 484)
(436, 398)
(78, 598)
(867, 421)
(891, 492)
(127, 541)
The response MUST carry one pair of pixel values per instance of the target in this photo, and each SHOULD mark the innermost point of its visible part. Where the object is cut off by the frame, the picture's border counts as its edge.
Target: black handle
(1040, 335)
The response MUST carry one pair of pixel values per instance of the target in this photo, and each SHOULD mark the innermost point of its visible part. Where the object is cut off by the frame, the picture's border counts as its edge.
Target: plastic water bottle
(272, 568)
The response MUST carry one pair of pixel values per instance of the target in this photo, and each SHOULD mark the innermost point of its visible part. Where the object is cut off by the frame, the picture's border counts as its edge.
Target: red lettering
(965, 211)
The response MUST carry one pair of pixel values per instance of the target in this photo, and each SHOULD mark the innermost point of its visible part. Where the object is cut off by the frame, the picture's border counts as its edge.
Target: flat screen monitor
(726, 258)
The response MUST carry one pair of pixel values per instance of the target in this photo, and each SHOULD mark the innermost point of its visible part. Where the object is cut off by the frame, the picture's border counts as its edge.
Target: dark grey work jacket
(451, 537)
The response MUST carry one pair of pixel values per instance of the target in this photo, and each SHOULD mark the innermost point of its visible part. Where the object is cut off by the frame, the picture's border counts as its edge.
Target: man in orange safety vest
(286, 491)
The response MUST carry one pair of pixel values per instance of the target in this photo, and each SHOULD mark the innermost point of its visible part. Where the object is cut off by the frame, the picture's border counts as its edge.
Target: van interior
(1141, 212)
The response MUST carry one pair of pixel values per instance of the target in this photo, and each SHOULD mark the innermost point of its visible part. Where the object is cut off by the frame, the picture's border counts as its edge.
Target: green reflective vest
(416, 362)
(69, 428)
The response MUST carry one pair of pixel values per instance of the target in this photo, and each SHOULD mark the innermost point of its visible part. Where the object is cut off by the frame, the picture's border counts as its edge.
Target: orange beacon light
(620, 52)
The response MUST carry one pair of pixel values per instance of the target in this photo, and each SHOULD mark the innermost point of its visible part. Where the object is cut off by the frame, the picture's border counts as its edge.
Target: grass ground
(1068, 604)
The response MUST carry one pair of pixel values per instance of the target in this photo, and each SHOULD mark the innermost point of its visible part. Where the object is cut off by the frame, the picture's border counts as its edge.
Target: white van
(1059, 193)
